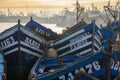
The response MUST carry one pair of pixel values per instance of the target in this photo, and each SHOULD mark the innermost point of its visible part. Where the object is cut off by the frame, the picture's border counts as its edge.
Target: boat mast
(79, 10)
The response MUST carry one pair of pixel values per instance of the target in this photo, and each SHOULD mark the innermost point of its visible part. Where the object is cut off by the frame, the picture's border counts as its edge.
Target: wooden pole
(79, 11)
(19, 71)
(109, 59)
(93, 35)
(119, 12)
(77, 8)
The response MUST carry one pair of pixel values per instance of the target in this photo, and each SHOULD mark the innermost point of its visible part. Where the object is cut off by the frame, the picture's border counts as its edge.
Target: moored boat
(22, 48)
(83, 41)
(50, 68)
(112, 33)
(41, 30)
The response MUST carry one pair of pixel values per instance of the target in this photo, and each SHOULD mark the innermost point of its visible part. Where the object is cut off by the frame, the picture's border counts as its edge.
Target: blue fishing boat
(83, 41)
(49, 68)
(112, 34)
(78, 50)
(48, 34)
(22, 48)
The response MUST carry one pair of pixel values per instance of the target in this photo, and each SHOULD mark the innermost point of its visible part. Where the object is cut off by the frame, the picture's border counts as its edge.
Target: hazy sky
(45, 3)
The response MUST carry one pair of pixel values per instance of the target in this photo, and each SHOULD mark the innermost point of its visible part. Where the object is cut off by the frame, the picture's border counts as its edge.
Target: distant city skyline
(48, 7)
(52, 6)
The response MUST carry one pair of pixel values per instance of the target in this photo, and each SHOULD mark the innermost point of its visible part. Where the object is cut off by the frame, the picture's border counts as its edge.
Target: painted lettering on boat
(32, 43)
(8, 41)
(115, 65)
(42, 32)
(79, 40)
(89, 68)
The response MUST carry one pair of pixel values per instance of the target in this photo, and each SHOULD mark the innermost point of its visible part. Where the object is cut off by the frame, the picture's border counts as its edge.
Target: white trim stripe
(86, 37)
(98, 40)
(23, 43)
(11, 51)
(76, 49)
(100, 33)
(24, 50)
(30, 52)
(96, 46)
(70, 36)
(83, 52)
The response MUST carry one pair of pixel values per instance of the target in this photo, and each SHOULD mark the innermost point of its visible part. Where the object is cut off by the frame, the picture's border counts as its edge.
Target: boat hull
(48, 34)
(21, 48)
(81, 41)
(92, 65)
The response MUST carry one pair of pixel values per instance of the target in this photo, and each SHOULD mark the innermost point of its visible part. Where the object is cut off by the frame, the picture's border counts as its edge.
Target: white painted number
(7, 42)
(62, 77)
(89, 67)
(70, 76)
(96, 65)
(115, 65)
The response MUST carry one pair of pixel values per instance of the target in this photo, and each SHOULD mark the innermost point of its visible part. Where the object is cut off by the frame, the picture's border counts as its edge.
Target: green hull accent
(14, 73)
